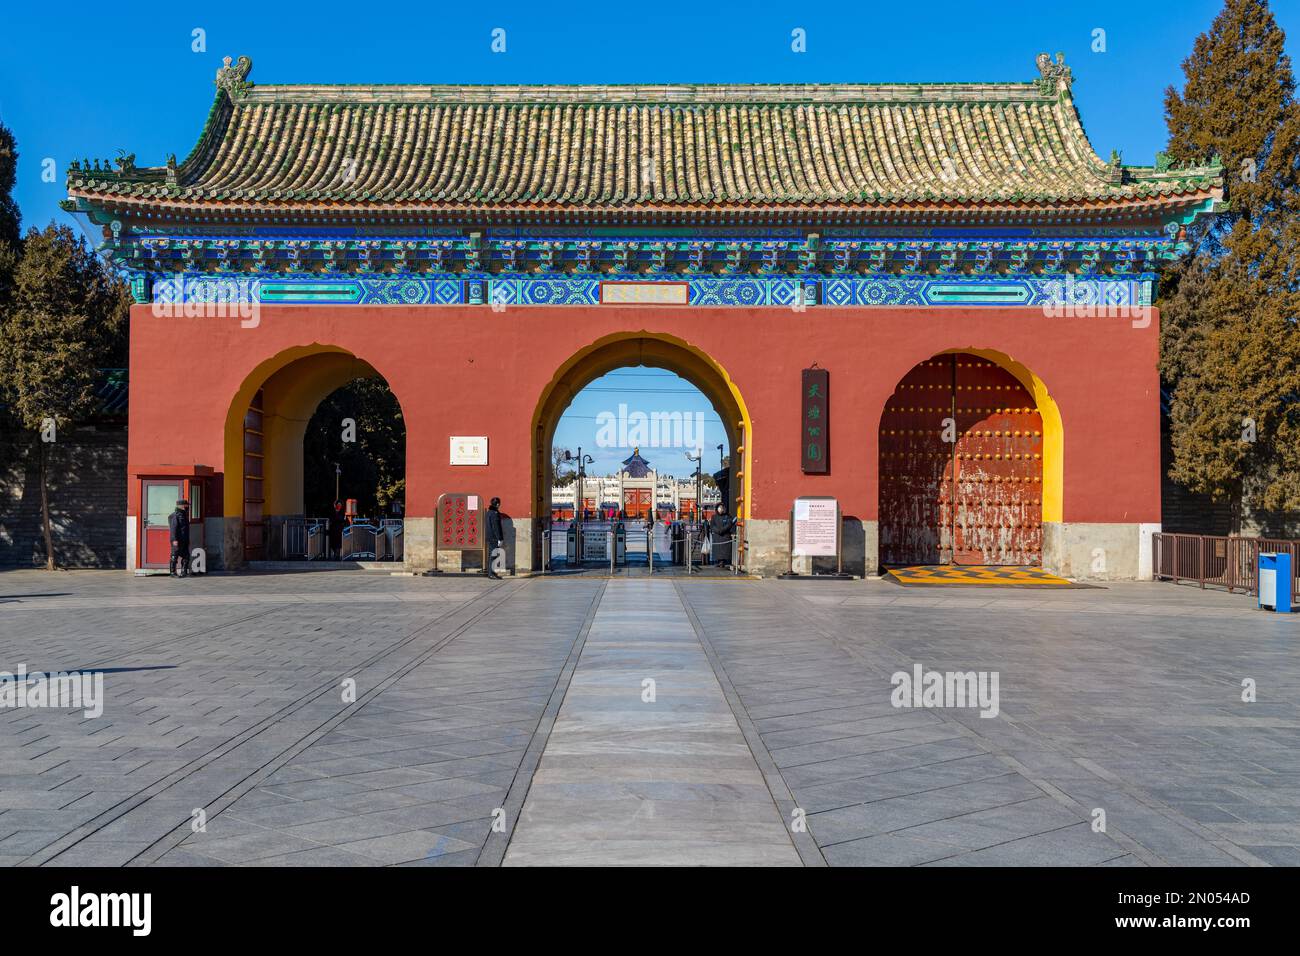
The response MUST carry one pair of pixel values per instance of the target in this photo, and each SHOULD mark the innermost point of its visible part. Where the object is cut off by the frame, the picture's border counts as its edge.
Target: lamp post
(698, 458)
(578, 509)
(721, 468)
(583, 461)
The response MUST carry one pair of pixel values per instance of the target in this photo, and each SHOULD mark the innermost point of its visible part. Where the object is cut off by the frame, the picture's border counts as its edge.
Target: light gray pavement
(1125, 699)
(476, 699)
(646, 765)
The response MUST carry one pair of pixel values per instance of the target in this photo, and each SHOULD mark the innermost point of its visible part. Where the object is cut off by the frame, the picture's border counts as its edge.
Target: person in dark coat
(178, 525)
(336, 531)
(722, 528)
(496, 539)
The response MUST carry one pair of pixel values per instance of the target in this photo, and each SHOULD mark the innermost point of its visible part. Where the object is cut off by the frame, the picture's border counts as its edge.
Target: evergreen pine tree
(65, 314)
(1230, 347)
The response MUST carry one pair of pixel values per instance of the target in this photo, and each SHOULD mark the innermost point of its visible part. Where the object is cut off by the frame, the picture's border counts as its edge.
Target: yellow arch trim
(1053, 429)
(656, 350)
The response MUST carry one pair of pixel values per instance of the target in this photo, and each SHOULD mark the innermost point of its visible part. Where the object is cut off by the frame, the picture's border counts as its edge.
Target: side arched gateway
(970, 463)
(264, 433)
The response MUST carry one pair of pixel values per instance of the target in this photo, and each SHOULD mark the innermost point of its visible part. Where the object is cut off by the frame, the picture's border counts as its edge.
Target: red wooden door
(915, 468)
(636, 503)
(988, 461)
(158, 501)
(999, 467)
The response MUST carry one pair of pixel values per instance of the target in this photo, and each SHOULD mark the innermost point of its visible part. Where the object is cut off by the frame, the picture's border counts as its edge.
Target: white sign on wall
(469, 450)
(816, 527)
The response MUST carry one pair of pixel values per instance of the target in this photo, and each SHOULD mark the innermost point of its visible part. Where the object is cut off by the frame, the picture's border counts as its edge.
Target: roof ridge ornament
(1053, 77)
(234, 79)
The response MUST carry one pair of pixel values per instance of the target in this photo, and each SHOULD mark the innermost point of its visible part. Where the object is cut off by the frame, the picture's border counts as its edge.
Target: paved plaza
(643, 721)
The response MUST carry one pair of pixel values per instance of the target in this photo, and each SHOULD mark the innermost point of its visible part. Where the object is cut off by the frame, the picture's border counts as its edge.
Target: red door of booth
(159, 497)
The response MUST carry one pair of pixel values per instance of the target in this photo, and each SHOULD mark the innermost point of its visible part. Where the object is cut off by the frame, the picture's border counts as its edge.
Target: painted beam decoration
(948, 214)
(815, 416)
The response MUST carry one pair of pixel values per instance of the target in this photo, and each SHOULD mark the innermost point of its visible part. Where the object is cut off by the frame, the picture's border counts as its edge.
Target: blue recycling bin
(1275, 582)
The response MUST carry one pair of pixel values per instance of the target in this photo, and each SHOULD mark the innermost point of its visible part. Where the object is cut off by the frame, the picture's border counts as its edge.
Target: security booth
(159, 489)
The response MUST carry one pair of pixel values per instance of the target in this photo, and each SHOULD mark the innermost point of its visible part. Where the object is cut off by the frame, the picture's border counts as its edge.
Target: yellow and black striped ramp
(951, 575)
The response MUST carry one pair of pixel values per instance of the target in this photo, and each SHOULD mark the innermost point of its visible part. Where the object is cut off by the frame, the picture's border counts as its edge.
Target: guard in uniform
(178, 523)
(722, 530)
(495, 536)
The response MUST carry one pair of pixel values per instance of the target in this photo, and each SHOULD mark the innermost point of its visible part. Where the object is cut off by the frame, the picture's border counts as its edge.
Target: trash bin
(1275, 582)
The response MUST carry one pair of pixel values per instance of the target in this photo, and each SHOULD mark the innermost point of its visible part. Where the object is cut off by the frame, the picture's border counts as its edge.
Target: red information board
(460, 522)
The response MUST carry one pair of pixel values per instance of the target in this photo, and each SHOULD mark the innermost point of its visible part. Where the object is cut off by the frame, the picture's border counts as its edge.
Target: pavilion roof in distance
(860, 152)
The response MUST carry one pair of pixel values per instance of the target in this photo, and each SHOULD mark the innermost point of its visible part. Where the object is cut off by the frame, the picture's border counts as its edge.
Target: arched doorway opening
(970, 463)
(280, 483)
(641, 350)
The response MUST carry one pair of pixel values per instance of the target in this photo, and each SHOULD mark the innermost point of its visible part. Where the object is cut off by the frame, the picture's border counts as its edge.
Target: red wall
(467, 370)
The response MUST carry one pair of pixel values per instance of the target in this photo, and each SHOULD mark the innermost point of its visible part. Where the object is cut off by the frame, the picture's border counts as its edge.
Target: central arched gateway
(652, 350)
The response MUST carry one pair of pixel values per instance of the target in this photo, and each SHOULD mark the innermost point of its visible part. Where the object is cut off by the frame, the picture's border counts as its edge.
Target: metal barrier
(389, 540)
(1224, 561)
(318, 541)
(293, 542)
(359, 542)
(546, 550)
(303, 539)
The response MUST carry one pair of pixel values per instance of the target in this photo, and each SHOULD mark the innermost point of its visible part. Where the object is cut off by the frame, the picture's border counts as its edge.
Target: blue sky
(83, 80)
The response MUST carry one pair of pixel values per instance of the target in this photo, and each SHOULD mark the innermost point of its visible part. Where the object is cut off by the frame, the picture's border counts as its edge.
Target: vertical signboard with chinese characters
(815, 422)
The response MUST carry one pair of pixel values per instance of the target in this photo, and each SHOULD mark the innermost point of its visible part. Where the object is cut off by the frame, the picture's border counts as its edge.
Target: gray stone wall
(87, 491)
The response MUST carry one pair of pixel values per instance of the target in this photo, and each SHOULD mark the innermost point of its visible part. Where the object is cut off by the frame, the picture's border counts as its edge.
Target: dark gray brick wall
(87, 499)
(1185, 512)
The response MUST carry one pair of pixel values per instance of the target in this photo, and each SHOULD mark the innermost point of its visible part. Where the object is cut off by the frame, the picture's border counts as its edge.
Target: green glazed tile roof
(644, 148)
